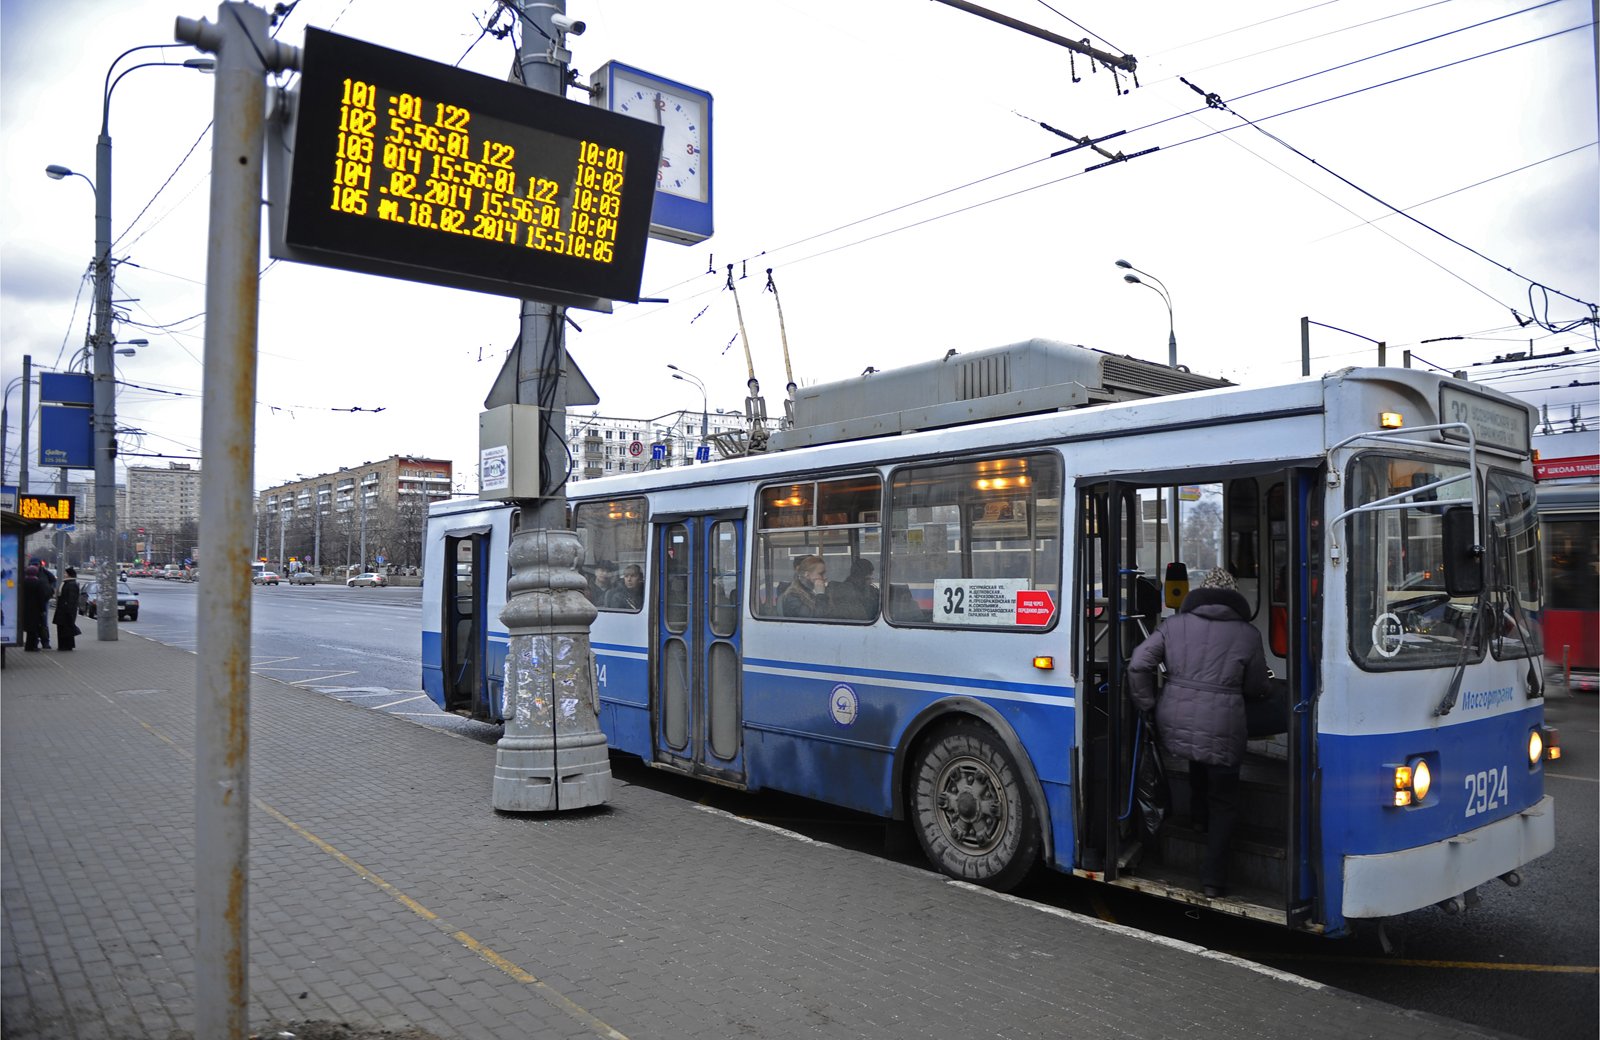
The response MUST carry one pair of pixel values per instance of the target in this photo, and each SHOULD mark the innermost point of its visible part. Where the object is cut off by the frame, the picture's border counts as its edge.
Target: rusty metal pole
(245, 56)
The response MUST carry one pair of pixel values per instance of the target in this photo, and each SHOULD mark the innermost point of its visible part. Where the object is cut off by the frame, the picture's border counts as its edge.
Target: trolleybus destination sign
(405, 167)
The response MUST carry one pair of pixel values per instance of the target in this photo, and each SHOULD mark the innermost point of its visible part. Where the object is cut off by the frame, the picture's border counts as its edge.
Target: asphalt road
(1524, 962)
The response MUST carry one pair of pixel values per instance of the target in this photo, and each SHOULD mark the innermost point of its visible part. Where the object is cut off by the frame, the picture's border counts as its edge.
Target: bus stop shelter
(14, 532)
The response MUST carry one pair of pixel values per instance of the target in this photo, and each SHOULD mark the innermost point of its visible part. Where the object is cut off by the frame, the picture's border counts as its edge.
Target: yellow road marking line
(370, 875)
(544, 989)
(1404, 962)
(553, 996)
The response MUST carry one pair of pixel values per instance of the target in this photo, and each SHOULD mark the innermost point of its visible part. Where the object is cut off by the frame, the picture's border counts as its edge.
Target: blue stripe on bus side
(971, 685)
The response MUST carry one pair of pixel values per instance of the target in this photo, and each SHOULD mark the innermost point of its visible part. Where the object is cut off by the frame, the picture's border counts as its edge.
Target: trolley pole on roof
(553, 755)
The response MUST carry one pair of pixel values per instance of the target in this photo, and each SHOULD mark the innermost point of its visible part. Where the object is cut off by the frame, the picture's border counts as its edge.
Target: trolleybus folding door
(470, 688)
(697, 686)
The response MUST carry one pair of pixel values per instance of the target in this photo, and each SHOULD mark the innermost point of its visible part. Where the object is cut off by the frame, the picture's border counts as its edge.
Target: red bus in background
(1569, 532)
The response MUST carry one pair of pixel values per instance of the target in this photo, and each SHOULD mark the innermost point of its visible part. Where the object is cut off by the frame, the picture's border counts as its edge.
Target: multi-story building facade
(367, 516)
(604, 445)
(162, 497)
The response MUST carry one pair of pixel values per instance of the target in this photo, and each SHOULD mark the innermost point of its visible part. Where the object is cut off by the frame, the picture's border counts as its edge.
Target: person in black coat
(1214, 661)
(47, 580)
(67, 612)
(34, 603)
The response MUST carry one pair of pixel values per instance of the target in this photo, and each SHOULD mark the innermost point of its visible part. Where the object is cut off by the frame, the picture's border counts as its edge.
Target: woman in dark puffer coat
(1214, 661)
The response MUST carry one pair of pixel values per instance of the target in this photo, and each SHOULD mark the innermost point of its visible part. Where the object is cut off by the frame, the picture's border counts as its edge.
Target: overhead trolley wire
(1148, 126)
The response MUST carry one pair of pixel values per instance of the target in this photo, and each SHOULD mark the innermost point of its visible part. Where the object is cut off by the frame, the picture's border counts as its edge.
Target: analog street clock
(682, 210)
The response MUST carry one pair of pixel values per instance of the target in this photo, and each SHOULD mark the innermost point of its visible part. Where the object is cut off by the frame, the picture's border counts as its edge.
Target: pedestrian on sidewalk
(67, 612)
(1214, 660)
(34, 605)
(48, 578)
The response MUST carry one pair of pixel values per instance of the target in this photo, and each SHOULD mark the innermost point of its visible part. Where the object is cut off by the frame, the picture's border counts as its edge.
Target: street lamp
(1166, 297)
(690, 377)
(1172, 362)
(105, 419)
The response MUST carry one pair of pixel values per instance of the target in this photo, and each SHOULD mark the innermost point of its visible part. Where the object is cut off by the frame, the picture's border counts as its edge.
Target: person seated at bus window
(857, 597)
(628, 594)
(1214, 660)
(808, 595)
(602, 581)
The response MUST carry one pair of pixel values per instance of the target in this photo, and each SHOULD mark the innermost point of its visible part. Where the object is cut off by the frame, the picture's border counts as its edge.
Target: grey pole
(361, 489)
(553, 755)
(1305, 346)
(227, 438)
(316, 532)
(27, 418)
(105, 397)
(1160, 289)
(283, 531)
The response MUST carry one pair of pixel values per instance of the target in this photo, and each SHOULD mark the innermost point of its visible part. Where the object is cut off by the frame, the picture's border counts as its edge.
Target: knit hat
(1218, 578)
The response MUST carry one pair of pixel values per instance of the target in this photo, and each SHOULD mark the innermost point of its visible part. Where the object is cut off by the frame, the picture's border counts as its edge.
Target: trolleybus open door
(470, 687)
(1265, 525)
(696, 667)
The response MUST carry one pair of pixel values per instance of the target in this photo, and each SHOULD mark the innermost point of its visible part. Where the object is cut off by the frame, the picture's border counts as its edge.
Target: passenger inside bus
(808, 595)
(857, 597)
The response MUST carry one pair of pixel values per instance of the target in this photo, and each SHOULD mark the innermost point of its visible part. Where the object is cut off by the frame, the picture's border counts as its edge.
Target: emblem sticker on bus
(843, 704)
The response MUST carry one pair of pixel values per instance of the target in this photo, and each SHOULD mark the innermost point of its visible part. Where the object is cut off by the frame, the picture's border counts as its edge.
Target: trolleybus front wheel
(972, 817)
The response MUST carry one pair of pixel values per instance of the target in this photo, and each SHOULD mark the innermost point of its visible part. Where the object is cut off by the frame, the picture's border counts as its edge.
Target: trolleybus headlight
(1412, 782)
(1421, 778)
(1543, 745)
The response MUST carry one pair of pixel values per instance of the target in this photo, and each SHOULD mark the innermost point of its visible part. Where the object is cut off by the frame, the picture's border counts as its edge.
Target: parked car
(127, 601)
(302, 578)
(265, 578)
(368, 578)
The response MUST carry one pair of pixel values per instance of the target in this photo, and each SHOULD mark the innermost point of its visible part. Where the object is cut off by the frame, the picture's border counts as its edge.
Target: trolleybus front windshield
(1401, 616)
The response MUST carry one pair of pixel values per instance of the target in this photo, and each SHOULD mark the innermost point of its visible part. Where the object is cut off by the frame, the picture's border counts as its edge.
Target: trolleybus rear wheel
(973, 818)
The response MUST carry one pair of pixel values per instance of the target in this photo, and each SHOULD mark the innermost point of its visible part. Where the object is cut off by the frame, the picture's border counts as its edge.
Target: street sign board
(417, 170)
(66, 387)
(66, 436)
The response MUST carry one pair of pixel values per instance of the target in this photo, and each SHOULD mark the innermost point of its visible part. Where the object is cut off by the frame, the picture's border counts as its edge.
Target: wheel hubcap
(972, 807)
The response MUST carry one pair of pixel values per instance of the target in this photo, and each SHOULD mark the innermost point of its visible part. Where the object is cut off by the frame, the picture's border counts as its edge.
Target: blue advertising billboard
(66, 387)
(66, 437)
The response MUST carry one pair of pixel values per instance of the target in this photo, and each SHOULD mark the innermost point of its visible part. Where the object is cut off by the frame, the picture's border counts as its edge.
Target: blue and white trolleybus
(997, 534)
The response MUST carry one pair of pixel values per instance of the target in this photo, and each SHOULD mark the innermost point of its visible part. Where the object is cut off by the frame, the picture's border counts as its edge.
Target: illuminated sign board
(406, 167)
(48, 509)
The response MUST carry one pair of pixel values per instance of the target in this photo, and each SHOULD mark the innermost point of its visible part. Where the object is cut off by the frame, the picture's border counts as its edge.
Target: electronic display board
(48, 509)
(406, 167)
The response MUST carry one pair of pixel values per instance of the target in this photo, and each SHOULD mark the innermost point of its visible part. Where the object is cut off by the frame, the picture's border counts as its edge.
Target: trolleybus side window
(1401, 615)
(613, 535)
(1514, 566)
(835, 521)
(966, 537)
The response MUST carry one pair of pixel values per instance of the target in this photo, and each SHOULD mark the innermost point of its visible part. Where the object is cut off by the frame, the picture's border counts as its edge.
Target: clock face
(683, 139)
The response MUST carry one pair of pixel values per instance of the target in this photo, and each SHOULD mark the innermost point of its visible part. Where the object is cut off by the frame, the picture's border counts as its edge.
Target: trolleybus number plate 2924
(1487, 789)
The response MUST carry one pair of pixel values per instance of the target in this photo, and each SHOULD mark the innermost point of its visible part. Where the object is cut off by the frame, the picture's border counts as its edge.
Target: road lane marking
(403, 700)
(320, 678)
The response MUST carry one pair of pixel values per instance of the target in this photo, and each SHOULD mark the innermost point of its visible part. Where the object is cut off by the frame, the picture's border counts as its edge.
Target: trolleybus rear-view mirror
(1463, 556)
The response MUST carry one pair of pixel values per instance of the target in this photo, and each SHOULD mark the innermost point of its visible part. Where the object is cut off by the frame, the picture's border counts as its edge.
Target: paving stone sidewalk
(386, 894)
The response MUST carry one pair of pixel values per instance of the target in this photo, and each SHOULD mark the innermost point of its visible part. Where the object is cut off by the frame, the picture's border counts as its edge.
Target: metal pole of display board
(553, 755)
(246, 55)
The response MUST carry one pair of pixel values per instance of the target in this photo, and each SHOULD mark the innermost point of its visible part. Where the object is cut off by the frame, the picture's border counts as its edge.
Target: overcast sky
(886, 160)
